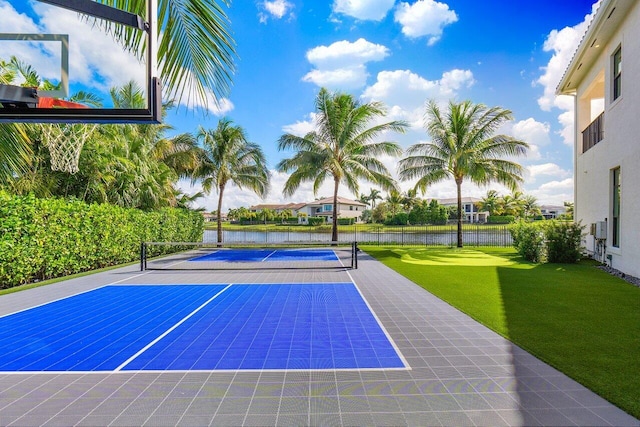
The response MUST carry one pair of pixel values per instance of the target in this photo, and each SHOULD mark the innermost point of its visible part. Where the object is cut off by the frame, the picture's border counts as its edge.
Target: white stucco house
(602, 78)
(470, 211)
(552, 211)
(347, 208)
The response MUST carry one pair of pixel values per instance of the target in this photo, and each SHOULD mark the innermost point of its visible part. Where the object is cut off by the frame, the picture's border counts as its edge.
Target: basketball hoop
(65, 141)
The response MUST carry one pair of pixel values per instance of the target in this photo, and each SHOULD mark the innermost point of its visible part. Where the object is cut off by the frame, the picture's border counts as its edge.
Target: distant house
(210, 217)
(470, 211)
(551, 211)
(293, 207)
(347, 208)
(602, 78)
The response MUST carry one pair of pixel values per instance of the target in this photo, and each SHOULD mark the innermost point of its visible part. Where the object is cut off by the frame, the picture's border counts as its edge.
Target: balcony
(593, 134)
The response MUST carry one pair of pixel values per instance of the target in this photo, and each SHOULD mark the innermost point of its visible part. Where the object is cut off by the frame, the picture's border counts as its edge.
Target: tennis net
(248, 256)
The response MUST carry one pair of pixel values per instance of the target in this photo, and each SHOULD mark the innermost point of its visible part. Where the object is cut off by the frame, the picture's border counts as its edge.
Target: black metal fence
(425, 235)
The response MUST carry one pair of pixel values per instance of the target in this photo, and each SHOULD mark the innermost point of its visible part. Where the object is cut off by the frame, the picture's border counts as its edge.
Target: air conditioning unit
(600, 230)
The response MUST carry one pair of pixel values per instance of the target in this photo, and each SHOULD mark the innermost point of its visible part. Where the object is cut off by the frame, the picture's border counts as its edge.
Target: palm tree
(196, 50)
(227, 156)
(409, 199)
(530, 206)
(394, 201)
(363, 199)
(341, 147)
(373, 196)
(490, 202)
(463, 145)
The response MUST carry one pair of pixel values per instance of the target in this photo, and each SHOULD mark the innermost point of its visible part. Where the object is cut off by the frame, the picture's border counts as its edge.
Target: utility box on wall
(599, 230)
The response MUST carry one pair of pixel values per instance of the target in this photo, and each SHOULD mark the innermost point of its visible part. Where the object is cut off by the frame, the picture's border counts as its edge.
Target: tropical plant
(530, 206)
(569, 213)
(463, 146)
(227, 156)
(342, 147)
(409, 199)
(363, 199)
(394, 202)
(373, 196)
(490, 203)
(196, 50)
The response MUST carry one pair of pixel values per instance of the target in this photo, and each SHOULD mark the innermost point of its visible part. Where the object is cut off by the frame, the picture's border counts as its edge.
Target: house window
(616, 208)
(617, 73)
(328, 208)
(350, 208)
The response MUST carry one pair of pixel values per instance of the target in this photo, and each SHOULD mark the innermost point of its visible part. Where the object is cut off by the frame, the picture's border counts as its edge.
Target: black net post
(143, 256)
(354, 255)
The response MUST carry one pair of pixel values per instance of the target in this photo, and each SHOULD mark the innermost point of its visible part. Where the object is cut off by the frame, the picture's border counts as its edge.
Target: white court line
(265, 258)
(395, 346)
(76, 294)
(168, 331)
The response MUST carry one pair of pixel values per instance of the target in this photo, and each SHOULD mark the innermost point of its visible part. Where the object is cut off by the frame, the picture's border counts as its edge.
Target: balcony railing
(593, 134)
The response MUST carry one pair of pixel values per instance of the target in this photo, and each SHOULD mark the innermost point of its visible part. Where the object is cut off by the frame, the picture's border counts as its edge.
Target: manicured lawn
(577, 318)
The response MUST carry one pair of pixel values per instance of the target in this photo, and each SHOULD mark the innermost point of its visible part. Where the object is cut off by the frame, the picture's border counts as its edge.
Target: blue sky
(496, 52)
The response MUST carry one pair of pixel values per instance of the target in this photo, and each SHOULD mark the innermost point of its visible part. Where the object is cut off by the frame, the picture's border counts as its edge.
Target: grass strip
(575, 317)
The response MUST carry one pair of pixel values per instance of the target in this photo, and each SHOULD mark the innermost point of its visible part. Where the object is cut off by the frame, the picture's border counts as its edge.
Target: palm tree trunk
(334, 216)
(219, 219)
(459, 189)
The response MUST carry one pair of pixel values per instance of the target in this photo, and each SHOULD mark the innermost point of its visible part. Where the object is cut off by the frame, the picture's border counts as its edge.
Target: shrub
(528, 239)
(501, 219)
(551, 241)
(46, 238)
(346, 221)
(401, 218)
(315, 220)
(563, 241)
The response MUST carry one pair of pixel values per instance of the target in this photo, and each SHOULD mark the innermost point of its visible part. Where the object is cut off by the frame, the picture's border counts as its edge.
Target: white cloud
(341, 65)
(546, 169)
(341, 78)
(532, 132)
(374, 10)
(218, 107)
(301, 128)
(563, 43)
(405, 92)
(424, 18)
(274, 9)
(554, 192)
(344, 54)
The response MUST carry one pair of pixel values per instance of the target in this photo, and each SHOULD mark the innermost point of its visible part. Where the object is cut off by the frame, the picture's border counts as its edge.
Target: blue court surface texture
(266, 255)
(199, 327)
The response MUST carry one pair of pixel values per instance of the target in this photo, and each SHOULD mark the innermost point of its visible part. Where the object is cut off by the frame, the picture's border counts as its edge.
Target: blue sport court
(199, 327)
(268, 255)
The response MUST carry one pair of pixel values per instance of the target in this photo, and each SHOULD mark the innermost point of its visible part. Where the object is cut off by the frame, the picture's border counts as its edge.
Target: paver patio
(461, 373)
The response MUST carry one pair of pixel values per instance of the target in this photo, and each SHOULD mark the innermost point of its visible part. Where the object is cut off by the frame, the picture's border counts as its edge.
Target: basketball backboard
(64, 61)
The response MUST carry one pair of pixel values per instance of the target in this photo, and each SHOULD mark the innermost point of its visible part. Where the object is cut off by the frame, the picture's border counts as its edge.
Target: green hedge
(346, 221)
(46, 238)
(501, 219)
(316, 220)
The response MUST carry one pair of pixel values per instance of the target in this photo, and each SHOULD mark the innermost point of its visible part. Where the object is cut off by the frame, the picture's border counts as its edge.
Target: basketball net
(65, 141)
